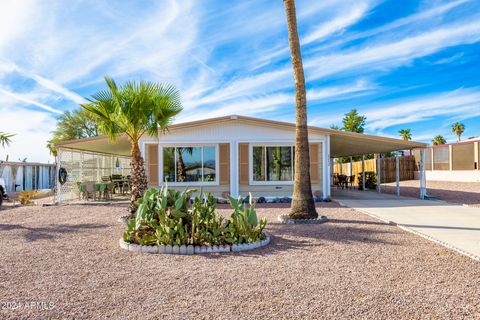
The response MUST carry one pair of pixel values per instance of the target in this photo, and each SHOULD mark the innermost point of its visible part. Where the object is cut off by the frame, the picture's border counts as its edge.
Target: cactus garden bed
(169, 221)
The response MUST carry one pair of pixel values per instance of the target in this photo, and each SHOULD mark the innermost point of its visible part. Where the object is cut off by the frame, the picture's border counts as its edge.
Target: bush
(166, 216)
(26, 196)
(370, 180)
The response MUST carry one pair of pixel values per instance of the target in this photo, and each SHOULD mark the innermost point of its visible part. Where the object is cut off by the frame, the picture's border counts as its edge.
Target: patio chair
(342, 181)
(351, 180)
(91, 188)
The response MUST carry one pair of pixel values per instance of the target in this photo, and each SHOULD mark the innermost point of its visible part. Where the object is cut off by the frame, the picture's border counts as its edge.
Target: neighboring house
(457, 161)
(235, 155)
(19, 176)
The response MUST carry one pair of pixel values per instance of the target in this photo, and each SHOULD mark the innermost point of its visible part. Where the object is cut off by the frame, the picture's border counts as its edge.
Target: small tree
(135, 109)
(353, 122)
(405, 134)
(458, 128)
(438, 139)
(78, 124)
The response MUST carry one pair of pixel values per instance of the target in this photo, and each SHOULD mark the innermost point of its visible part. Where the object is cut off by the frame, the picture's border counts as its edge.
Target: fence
(387, 167)
(84, 166)
(456, 156)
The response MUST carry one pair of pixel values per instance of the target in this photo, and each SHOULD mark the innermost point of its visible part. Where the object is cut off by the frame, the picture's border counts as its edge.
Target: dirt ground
(64, 262)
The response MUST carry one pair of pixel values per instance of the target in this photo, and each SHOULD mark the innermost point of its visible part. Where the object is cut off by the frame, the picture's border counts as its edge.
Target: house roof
(341, 143)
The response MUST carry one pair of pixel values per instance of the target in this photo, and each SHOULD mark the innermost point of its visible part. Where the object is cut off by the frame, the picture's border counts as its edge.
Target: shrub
(370, 180)
(166, 216)
(26, 196)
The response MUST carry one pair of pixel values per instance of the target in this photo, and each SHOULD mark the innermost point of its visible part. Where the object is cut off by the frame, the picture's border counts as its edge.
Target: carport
(348, 144)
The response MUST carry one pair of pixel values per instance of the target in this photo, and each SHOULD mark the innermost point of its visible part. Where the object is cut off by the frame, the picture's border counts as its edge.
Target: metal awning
(341, 143)
(100, 144)
(351, 144)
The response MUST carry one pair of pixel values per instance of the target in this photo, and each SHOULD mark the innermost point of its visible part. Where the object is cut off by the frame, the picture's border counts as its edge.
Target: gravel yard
(352, 267)
(455, 192)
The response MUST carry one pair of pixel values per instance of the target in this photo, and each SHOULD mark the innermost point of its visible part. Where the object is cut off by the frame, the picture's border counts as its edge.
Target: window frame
(250, 163)
(190, 183)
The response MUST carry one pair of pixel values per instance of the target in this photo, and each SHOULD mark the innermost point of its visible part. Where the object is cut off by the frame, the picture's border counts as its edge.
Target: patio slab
(450, 224)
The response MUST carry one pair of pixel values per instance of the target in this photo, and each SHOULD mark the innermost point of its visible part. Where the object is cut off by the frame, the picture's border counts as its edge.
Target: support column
(351, 166)
(327, 167)
(397, 173)
(379, 176)
(477, 158)
(234, 169)
(450, 157)
(422, 174)
(363, 172)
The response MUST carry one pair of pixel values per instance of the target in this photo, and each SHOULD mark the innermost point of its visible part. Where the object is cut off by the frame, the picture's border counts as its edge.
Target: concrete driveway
(452, 225)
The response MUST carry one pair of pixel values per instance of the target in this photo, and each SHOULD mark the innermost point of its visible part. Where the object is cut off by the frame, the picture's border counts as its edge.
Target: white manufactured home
(227, 155)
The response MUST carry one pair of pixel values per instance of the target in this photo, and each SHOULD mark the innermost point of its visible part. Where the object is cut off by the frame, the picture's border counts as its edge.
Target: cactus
(165, 216)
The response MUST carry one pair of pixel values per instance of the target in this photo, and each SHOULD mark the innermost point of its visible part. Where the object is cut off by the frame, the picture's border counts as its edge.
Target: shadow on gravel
(51, 232)
(299, 237)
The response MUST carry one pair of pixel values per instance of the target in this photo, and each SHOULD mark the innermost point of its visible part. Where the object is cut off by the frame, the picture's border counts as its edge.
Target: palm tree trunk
(139, 178)
(303, 206)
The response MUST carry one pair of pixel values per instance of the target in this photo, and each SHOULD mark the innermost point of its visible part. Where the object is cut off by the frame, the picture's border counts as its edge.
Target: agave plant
(167, 216)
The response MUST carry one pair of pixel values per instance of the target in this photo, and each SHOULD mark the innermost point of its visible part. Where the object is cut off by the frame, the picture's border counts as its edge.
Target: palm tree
(5, 139)
(405, 134)
(438, 139)
(458, 129)
(303, 206)
(135, 109)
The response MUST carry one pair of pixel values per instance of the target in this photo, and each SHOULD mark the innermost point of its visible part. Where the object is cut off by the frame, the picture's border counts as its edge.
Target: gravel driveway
(352, 267)
(455, 192)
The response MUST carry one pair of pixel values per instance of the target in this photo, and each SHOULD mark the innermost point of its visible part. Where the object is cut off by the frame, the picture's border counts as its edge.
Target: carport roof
(341, 143)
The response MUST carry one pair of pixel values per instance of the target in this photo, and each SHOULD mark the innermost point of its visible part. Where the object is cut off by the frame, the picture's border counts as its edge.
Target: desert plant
(135, 109)
(167, 216)
(370, 180)
(458, 129)
(26, 196)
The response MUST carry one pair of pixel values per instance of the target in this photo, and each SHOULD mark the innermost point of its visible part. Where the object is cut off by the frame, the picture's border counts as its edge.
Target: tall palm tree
(438, 139)
(458, 129)
(405, 134)
(5, 139)
(135, 109)
(303, 206)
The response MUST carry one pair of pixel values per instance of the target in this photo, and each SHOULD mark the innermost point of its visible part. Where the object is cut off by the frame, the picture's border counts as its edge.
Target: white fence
(83, 166)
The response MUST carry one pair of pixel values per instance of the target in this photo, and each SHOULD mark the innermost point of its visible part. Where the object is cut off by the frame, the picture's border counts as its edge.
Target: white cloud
(25, 99)
(396, 53)
(460, 103)
(348, 17)
(32, 130)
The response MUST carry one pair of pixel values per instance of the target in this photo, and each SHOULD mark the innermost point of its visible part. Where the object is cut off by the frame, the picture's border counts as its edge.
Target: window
(190, 164)
(272, 163)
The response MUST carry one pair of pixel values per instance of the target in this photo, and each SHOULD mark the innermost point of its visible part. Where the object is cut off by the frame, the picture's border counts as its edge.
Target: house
(230, 154)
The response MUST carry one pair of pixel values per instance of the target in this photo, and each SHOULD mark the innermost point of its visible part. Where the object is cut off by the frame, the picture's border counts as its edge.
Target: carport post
(351, 166)
(397, 173)
(422, 174)
(363, 172)
(379, 178)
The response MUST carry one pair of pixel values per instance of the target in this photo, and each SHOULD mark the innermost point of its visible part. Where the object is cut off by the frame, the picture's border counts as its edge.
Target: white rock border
(285, 220)
(190, 249)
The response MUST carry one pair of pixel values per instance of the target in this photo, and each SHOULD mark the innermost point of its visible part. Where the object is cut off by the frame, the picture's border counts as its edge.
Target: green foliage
(405, 134)
(353, 122)
(370, 180)
(78, 124)
(5, 138)
(136, 108)
(438, 139)
(458, 128)
(165, 216)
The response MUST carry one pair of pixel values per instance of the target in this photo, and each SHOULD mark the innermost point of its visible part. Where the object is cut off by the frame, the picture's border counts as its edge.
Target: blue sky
(404, 64)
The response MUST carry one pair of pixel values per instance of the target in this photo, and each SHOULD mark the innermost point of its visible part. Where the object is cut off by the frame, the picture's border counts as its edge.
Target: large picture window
(190, 164)
(272, 163)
